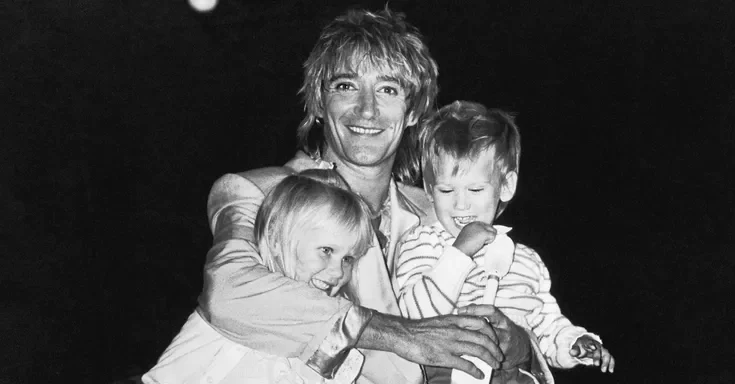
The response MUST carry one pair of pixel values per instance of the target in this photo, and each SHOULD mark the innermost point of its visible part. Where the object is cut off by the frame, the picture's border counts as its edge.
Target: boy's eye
(348, 259)
(445, 191)
(476, 189)
(327, 250)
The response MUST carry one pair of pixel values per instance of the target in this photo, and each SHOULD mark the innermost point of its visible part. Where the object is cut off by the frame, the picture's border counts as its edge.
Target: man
(368, 82)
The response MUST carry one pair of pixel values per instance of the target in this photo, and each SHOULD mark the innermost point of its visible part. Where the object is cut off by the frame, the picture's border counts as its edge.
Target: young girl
(312, 229)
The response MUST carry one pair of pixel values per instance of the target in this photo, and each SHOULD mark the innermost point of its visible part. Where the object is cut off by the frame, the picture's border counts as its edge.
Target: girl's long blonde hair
(303, 201)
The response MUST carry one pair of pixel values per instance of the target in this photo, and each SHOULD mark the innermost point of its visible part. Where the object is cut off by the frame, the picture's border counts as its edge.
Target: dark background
(117, 117)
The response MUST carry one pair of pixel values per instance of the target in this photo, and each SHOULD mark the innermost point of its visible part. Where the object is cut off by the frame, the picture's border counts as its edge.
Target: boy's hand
(586, 346)
(474, 236)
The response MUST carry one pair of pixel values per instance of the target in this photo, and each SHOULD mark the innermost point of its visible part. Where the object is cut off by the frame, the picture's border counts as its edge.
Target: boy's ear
(508, 189)
(427, 189)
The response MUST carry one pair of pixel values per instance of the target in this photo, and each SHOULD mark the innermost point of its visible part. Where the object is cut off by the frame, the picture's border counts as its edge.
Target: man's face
(364, 115)
(472, 194)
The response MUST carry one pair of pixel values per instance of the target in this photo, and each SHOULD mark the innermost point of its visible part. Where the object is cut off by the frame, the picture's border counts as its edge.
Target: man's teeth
(463, 220)
(318, 284)
(364, 131)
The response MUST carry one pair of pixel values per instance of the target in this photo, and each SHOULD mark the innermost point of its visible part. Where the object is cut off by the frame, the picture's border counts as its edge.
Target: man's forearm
(384, 333)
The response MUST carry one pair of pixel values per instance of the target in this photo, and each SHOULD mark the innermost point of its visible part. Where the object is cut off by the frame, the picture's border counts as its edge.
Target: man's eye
(343, 87)
(445, 191)
(348, 259)
(476, 189)
(393, 91)
(327, 250)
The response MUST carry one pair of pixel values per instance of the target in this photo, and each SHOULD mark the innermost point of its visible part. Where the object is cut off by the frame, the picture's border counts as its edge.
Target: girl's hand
(586, 346)
(474, 236)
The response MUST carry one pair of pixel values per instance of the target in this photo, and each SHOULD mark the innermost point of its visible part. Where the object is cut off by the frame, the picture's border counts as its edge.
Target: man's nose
(367, 106)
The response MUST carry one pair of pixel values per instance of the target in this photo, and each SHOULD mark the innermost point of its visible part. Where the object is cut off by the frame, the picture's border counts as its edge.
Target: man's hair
(381, 40)
(304, 201)
(463, 130)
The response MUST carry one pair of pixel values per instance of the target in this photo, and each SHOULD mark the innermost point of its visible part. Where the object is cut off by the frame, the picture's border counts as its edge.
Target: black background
(117, 117)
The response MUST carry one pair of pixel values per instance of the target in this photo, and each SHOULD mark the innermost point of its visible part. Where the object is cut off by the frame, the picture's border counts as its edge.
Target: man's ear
(412, 119)
(508, 189)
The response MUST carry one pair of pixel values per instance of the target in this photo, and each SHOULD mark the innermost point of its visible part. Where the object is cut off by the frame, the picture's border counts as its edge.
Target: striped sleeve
(556, 334)
(429, 274)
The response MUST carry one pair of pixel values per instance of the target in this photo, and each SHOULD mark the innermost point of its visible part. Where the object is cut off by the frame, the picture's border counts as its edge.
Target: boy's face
(472, 194)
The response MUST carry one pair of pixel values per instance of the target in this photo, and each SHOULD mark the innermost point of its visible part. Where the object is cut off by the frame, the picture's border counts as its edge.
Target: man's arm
(436, 341)
(267, 311)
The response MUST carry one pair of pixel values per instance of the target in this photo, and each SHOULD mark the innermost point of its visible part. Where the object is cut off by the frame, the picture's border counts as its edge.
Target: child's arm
(429, 274)
(556, 334)
(256, 307)
(588, 347)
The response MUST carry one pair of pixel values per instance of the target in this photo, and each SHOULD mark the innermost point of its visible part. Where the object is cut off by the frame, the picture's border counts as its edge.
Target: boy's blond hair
(462, 131)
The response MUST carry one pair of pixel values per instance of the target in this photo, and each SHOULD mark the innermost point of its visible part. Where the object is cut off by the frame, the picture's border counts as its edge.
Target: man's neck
(372, 183)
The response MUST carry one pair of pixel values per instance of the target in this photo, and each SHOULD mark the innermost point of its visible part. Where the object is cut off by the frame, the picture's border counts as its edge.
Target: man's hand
(511, 339)
(586, 346)
(437, 341)
(474, 236)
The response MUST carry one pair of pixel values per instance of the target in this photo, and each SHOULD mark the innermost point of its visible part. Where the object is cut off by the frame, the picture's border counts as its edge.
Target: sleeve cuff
(335, 346)
(452, 269)
(567, 340)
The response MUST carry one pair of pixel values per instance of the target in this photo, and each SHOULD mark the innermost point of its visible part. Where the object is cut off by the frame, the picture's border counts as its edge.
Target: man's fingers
(490, 354)
(485, 310)
(493, 314)
(466, 366)
(480, 324)
(449, 337)
(478, 343)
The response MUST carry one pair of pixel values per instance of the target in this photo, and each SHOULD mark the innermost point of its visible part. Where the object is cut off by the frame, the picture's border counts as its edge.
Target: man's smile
(364, 130)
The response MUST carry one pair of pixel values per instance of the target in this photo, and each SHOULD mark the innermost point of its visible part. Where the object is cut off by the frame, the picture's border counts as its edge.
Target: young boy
(470, 158)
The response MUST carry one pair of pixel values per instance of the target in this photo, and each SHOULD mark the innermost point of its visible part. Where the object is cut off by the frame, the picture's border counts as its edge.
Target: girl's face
(324, 256)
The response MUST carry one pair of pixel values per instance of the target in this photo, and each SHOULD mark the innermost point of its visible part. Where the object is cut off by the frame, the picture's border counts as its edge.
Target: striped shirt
(434, 278)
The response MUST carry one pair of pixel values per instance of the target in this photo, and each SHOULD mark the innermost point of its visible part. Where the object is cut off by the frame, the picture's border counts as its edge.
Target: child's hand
(586, 346)
(474, 236)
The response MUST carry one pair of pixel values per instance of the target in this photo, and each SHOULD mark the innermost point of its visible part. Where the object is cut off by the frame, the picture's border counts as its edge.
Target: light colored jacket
(268, 312)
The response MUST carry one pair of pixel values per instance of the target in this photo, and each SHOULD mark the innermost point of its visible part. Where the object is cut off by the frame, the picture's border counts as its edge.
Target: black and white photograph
(369, 192)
